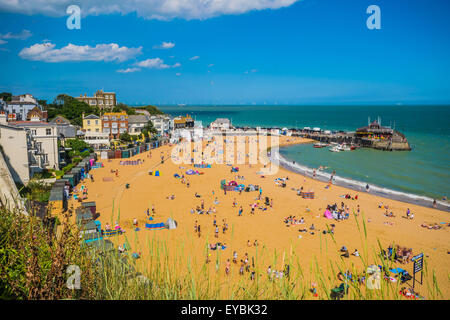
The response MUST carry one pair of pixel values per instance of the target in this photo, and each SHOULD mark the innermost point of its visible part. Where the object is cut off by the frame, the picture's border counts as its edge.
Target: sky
(168, 52)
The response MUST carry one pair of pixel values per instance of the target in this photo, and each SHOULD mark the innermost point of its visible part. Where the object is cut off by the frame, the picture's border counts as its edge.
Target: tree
(5, 96)
(123, 107)
(70, 108)
(149, 129)
(125, 137)
(153, 110)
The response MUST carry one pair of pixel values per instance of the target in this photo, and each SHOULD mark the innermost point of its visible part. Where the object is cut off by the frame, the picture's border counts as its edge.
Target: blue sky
(293, 52)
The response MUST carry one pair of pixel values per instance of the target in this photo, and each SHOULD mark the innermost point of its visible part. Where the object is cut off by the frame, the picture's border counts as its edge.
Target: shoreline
(355, 185)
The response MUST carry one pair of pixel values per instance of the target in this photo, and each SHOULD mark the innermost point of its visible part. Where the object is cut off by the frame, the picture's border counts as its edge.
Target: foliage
(33, 260)
(125, 137)
(5, 96)
(149, 130)
(35, 191)
(70, 108)
(153, 110)
(123, 107)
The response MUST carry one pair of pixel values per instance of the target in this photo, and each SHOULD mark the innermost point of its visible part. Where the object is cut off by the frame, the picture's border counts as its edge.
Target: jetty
(371, 136)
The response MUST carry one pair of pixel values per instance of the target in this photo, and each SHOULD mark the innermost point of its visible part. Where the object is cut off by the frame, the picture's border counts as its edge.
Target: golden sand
(267, 227)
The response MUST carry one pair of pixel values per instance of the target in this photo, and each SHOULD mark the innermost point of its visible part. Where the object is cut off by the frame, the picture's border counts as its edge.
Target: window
(48, 132)
(105, 125)
(105, 118)
(88, 122)
(96, 121)
(97, 130)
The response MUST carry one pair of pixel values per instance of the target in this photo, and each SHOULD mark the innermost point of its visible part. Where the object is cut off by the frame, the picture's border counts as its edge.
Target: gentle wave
(357, 185)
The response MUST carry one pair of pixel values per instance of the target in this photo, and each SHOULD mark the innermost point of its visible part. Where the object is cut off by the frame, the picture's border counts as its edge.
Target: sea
(423, 171)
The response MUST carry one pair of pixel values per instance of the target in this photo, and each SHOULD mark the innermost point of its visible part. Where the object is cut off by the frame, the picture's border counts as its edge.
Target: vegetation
(35, 191)
(125, 137)
(5, 96)
(149, 130)
(70, 108)
(33, 265)
(123, 107)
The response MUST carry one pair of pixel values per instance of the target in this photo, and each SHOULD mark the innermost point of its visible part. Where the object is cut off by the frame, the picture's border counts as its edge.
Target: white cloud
(165, 45)
(101, 52)
(210, 65)
(178, 74)
(251, 71)
(150, 9)
(194, 58)
(23, 35)
(128, 70)
(3, 41)
(156, 63)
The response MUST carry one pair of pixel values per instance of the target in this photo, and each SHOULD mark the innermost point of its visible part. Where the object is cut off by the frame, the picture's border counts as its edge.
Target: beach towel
(107, 179)
(154, 226)
(327, 214)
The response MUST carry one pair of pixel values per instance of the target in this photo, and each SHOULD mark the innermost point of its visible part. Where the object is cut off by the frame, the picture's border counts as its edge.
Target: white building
(136, 123)
(22, 153)
(45, 136)
(98, 140)
(162, 123)
(220, 124)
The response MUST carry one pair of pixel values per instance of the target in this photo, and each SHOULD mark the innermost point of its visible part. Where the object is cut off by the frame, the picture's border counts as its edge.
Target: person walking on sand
(217, 232)
(227, 267)
(240, 211)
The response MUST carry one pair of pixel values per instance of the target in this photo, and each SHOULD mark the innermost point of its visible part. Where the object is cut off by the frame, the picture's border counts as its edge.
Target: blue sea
(423, 171)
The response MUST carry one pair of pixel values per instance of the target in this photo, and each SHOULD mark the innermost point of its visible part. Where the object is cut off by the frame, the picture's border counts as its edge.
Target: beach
(277, 242)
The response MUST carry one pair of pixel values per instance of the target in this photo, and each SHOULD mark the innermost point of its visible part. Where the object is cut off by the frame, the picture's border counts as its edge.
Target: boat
(336, 148)
(345, 147)
(320, 145)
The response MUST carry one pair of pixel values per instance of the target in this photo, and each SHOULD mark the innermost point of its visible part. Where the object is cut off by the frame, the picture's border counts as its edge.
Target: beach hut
(117, 154)
(111, 154)
(126, 153)
(90, 205)
(70, 177)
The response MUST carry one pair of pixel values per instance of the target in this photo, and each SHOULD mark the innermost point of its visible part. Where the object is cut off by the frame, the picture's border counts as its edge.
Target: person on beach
(216, 232)
(240, 211)
(367, 187)
(434, 204)
(235, 256)
(227, 267)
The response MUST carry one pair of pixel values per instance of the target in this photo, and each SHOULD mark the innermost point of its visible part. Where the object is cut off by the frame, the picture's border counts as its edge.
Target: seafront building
(115, 123)
(45, 138)
(101, 99)
(92, 123)
(65, 129)
(221, 124)
(162, 124)
(19, 107)
(136, 123)
(25, 152)
(181, 122)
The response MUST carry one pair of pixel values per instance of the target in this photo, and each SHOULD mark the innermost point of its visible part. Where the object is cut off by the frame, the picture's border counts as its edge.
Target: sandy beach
(276, 241)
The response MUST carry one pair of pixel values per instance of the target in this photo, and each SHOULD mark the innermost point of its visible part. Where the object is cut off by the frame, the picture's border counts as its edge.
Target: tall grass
(33, 265)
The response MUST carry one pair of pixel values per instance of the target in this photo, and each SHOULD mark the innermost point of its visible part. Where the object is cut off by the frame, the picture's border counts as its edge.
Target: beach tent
(157, 173)
(190, 172)
(176, 175)
(327, 214)
(170, 224)
(233, 183)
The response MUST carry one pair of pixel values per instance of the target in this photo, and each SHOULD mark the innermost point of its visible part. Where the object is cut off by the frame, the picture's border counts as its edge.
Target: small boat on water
(336, 148)
(320, 145)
